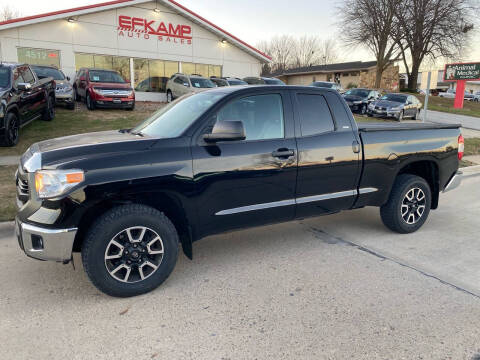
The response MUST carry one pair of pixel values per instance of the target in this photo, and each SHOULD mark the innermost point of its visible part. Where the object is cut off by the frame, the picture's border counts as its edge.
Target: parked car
(476, 96)
(101, 88)
(227, 81)
(223, 159)
(153, 84)
(253, 80)
(63, 90)
(23, 98)
(451, 93)
(359, 99)
(397, 106)
(327, 85)
(180, 84)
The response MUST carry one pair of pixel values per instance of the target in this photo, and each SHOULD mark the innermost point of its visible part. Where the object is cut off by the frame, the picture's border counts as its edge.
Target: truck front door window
(262, 116)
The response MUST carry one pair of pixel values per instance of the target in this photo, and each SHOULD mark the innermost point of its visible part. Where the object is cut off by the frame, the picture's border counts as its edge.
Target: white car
(181, 84)
(476, 96)
(450, 93)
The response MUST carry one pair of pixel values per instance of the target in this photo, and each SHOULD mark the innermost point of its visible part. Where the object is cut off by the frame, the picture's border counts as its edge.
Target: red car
(103, 88)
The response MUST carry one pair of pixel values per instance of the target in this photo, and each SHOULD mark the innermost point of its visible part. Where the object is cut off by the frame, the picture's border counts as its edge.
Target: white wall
(98, 33)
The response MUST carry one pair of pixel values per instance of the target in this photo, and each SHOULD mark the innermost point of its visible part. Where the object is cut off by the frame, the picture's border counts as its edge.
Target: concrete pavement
(333, 287)
(469, 122)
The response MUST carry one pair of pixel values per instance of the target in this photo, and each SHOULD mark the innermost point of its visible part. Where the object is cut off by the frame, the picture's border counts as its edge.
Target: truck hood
(62, 152)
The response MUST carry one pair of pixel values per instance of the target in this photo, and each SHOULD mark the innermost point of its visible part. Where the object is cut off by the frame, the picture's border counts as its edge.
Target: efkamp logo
(140, 28)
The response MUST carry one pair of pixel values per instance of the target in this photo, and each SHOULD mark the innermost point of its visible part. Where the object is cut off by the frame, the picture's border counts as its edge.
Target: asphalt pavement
(332, 287)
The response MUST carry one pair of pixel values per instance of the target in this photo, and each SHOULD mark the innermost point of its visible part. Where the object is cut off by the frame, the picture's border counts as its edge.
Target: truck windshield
(44, 72)
(105, 76)
(4, 77)
(173, 119)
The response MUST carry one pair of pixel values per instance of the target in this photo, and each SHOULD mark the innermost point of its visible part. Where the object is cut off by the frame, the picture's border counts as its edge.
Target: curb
(471, 170)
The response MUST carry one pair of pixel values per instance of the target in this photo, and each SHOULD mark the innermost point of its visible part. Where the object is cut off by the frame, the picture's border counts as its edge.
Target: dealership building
(145, 41)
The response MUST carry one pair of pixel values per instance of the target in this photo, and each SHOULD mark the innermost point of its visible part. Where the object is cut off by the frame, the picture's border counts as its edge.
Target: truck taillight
(461, 147)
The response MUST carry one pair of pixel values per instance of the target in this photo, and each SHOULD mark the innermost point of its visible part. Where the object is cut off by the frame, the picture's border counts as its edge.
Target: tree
(287, 52)
(8, 13)
(431, 28)
(372, 23)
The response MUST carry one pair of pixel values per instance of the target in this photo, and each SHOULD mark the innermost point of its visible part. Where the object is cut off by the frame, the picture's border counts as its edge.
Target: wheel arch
(428, 170)
(168, 203)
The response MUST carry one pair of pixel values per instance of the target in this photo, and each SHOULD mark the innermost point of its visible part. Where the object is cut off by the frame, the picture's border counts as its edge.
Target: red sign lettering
(139, 25)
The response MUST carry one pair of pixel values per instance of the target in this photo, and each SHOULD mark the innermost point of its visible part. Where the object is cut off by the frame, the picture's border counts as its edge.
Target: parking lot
(333, 287)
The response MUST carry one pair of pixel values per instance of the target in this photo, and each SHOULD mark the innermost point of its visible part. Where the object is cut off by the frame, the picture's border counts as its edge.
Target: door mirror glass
(24, 86)
(225, 130)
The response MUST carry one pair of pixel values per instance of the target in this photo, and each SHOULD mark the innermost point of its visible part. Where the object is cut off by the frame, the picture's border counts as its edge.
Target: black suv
(23, 98)
(227, 81)
(359, 99)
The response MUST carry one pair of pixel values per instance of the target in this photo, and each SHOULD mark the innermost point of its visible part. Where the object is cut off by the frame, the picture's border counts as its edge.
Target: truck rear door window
(315, 116)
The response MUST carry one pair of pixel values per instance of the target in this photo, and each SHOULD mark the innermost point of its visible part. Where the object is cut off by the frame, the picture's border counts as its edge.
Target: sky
(253, 20)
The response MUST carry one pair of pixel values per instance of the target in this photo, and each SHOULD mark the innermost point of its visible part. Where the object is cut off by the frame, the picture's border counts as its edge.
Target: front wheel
(169, 96)
(11, 134)
(49, 112)
(130, 250)
(408, 206)
(400, 116)
(89, 102)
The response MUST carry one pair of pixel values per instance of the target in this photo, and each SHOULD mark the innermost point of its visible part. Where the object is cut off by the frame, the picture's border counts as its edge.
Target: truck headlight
(53, 183)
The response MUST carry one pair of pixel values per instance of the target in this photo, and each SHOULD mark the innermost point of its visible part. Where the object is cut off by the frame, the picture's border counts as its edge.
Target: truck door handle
(355, 147)
(283, 153)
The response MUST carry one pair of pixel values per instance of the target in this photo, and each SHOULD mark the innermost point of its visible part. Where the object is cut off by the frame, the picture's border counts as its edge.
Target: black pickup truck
(211, 162)
(23, 98)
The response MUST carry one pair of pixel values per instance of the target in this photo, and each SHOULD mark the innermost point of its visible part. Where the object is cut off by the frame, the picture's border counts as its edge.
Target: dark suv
(103, 88)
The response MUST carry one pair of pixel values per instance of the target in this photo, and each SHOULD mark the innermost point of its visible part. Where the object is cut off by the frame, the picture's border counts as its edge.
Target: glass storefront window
(107, 62)
(215, 70)
(39, 56)
(188, 68)
(171, 67)
(152, 75)
(201, 69)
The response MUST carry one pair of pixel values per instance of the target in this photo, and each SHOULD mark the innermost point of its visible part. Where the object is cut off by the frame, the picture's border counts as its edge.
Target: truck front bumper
(454, 182)
(45, 244)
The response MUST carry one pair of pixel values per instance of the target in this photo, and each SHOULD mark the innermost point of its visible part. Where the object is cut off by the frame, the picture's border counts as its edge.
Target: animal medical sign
(141, 28)
(466, 71)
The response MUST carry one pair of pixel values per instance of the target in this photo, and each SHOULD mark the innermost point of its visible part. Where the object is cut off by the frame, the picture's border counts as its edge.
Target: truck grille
(22, 186)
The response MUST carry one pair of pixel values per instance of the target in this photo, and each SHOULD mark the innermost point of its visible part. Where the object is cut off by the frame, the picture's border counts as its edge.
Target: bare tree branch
(8, 13)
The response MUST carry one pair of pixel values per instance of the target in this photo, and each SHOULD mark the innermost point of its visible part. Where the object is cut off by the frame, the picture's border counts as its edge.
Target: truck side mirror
(24, 86)
(226, 131)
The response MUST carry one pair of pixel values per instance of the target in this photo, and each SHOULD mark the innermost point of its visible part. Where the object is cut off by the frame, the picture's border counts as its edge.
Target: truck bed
(370, 127)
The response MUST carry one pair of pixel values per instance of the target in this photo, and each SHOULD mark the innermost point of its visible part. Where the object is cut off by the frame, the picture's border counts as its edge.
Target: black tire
(363, 109)
(131, 108)
(107, 227)
(49, 111)
(169, 96)
(400, 116)
(71, 106)
(12, 129)
(89, 102)
(391, 212)
(76, 97)
(415, 116)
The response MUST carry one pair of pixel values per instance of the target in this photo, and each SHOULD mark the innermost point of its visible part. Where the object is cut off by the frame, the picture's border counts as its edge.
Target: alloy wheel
(134, 254)
(13, 131)
(413, 205)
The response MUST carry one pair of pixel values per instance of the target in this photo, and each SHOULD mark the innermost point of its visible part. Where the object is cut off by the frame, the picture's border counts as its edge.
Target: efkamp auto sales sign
(140, 28)
(465, 71)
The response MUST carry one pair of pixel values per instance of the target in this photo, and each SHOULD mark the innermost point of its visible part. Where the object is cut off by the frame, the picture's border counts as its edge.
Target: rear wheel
(12, 126)
(130, 250)
(76, 97)
(408, 206)
(49, 112)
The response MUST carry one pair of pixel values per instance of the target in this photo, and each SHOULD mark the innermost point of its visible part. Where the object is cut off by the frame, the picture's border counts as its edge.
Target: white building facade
(145, 41)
